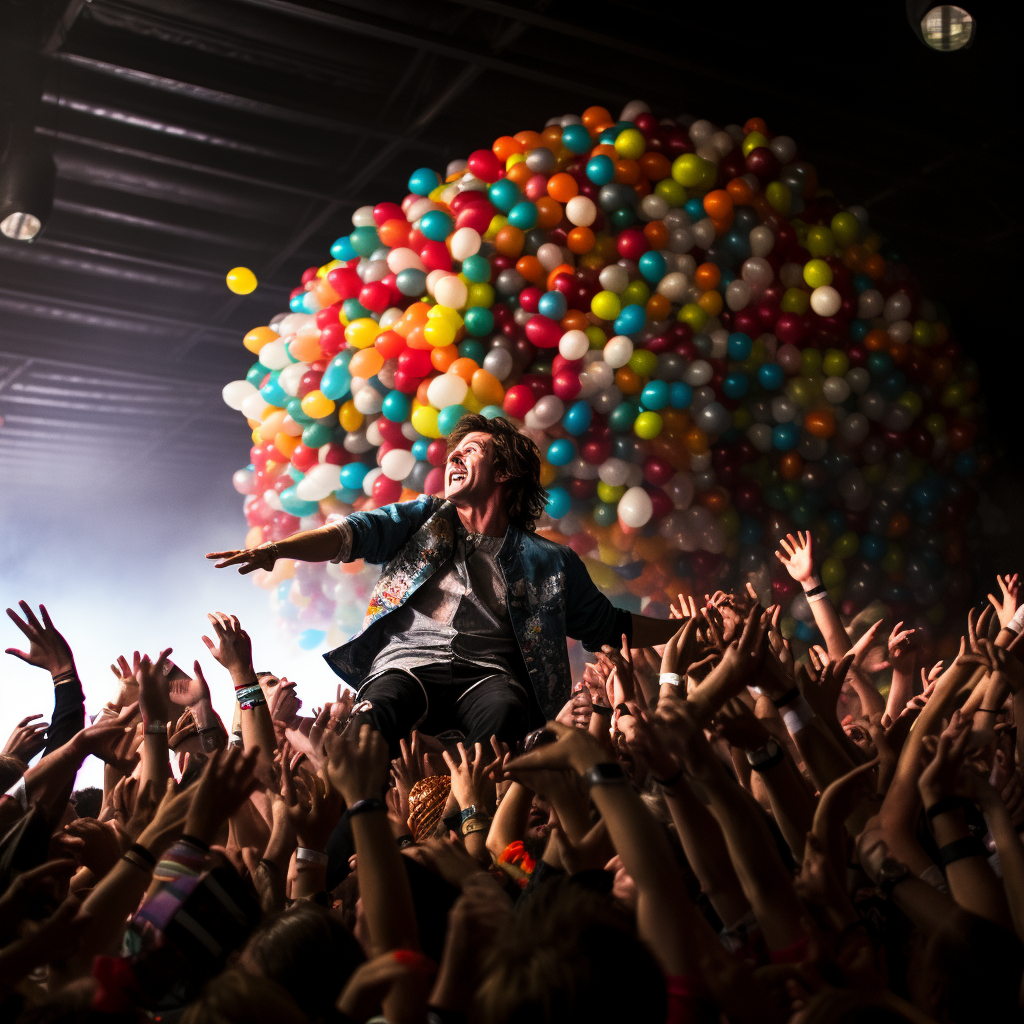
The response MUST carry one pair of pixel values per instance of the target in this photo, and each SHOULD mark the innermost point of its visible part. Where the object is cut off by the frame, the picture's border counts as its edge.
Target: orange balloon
(254, 537)
(874, 267)
(790, 464)
(285, 443)
(394, 233)
(258, 337)
(551, 137)
(562, 187)
(464, 368)
(654, 166)
(722, 224)
(676, 420)
(487, 387)
(755, 124)
(509, 241)
(642, 188)
(442, 358)
(898, 525)
(580, 240)
(574, 320)
(519, 173)
(819, 423)
(715, 499)
(656, 233)
(900, 352)
(876, 340)
(711, 302)
(740, 192)
(605, 149)
(325, 293)
(718, 204)
(549, 213)
(696, 440)
(854, 256)
(531, 268)
(366, 363)
(414, 316)
(627, 381)
(627, 172)
(306, 348)
(596, 119)
(658, 307)
(421, 391)
(506, 146)
(528, 140)
(706, 276)
(562, 268)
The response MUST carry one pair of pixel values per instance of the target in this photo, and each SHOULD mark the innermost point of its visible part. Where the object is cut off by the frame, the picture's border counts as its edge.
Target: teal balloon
(348, 494)
(355, 310)
(493, 412)
(621, 418)
(577, 418)
(605, 514)
(294, 409)
(310, 639)
(652, 266)
(352, 474)
(504, 194)
(436, 225)
(317, 434)
(479, 321)
(654, 395)
(476, 268)
(523, 216)
(294, 505)
(342, 249)
(336, 380)
(558, 502)
(600, 169)
(576, 138)
(561, 452)
(365, 240)
(423, 181)
(448, 417)
(396, 406)
(256, 373)
(680, 395)
(630, 320)
(272, 391)
(470, 349)
(420, 448)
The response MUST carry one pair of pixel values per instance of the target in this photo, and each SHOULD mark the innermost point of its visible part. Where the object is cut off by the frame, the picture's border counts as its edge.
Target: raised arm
(797, 555)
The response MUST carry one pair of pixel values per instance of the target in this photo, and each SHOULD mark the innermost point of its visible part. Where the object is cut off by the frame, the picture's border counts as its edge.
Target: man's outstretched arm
(319, 545)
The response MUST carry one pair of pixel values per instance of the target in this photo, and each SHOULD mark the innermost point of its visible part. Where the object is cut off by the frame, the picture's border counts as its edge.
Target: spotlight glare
(947, 28)
(22, 227)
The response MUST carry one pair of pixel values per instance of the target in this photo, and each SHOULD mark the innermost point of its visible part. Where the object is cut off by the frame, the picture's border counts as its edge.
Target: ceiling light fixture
(27, 178)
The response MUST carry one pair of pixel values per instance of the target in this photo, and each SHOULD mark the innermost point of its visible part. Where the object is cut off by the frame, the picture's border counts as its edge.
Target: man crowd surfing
(720, 828)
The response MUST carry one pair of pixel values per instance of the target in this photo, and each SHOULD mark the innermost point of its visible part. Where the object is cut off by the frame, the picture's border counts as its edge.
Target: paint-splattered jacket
(550, 594)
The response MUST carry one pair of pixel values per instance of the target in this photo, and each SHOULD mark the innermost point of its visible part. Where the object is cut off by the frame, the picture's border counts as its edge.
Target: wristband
(136, 862)
(474, 825)
(671, 780)
(365, 806)
(787, 698)
(404, 841)
(471, 811)
(989, 711)
(816, 591)
(944, 805)
(65, 677)
(156, 728)
(672, 678)
(602, 709)
(1016, 624)
(303, 855)
(765, 757)
(960, 849)
(199, 844)
(796, 715)
(143, 854)
(604, 774)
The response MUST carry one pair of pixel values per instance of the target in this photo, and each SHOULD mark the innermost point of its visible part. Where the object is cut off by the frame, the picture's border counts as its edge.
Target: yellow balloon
(361, 333)
(424, 419)
(349, 416)
(258, 337)
(316, 404)
(241, 280)
(439, 332)
(547, 473)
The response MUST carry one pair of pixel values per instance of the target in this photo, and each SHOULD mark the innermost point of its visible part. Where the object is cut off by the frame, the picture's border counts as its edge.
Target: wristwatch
(890, 874)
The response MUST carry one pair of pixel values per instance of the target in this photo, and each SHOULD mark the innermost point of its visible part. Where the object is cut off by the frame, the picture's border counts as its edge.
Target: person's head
(484, 455)
(282, 689)
(549, 966)
(11, 769)
(237, 997)
(308, 951)
(88, 801)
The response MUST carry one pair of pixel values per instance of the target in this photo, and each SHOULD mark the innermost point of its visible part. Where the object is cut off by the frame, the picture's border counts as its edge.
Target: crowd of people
(728, 827)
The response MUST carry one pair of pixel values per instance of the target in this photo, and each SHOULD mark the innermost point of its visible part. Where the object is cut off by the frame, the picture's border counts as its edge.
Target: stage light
(27, 178)
(947, 28)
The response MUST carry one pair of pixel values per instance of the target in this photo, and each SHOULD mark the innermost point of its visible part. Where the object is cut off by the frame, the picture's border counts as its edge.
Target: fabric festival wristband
(156, 728)
(243, 693)
(303, 855)
(945, 804)
(142, 853)
(602, 709)
(472, 811)
(474, 825)
(960, 849)
(795, 716)
(818, 588)
(672, 678)
(811, 598)
(365, 806)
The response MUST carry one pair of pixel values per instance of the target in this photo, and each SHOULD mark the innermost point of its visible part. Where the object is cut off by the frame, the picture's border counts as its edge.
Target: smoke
(116, 555)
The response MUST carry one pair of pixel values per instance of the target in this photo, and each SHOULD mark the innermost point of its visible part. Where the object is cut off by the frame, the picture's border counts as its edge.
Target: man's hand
(154, 695)
(940, 776)
(127, 687)
(27, 739)
(573, 749)
(47, 648)
(902, 647)
(224, 785)
(185, 691)
(247, 559)
(93, 844)
(357, 763)
(797, 556)
(233, 648)
(470, 785)
(112, 739)
(314, 807)
(1008, 601)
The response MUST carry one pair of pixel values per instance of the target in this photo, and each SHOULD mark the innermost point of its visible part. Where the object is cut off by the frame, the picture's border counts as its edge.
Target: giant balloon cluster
(709, 349)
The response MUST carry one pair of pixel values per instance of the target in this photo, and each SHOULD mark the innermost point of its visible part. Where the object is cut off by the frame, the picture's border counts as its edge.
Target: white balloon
(254, 406)
(446, 389)
(783, 148)
(897, 307)
(550, 255)
(433, 277)
(723, 142)
(274, 355)
(614, 472)
(397, 464)
(791, 275)
(634, 475)
(356, 442)
(633, 109)
(294, 429)
(465, 243)
(698, 373)
(900, 331)
(854, 428)
(700, 461)
(419, 207)
(653, 207)
(319, 482)
(580, 211)
(635, 508)
(760, 436)
(235, 393)
(859, 380)
(737, 294)
(294, 322)
(762, 241)
(617, 351)
(573, 345)
(390, 316)
(870, 304)
(826, 301)
(614, 278)
(451, 291)
(545, 413)
(600, 372)
(404, 259)
(680, 489)
(291, 377)
(363, 218)
(273, 500)
(673, 286)
(757, 272)
(368, 401)
(580, 469)
(373, 434)
(499, 362)
(701, 132)
(703, 232)
(835, 390)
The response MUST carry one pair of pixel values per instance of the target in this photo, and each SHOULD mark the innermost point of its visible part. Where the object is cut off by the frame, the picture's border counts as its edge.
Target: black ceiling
(191, 136)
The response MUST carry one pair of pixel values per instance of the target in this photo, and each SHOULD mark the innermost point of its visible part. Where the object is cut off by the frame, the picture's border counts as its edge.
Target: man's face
(469, 475)
(281, 696)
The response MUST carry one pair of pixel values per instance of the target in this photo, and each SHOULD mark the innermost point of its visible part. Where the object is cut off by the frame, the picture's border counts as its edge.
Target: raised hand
(127, 686)
(224, 785)
(1008, 601)
(314, 807)
(233, 648)
(113, 739)
(736, 723)
(682, 649)
(47, 648)
(860, 649)
(578, 708)
(573, 749)
(185, 691)
(796, 554)
(940, 776)
(154, 691)
(902, 647)
(93, 844)
(357, 763)
(470, 785)
(247, 559)
(27, 739)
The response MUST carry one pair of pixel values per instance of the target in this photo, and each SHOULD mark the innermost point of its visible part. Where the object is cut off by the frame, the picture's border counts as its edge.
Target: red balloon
(375, 296)
(345, 281)
(632, 244)
(406, 382)
(383, 212)
(566, 384)
(437, 452)
(386, 490)
(310, 382)
(543, 331)
(529, 298)
(656, 471)
(415, 362)
(435, 255)
(334, 453)
(485, 165)
(303, 458)
(519, 400)
(391, 431)
(434, 483)
(661, 502)
(328, 315)
(789, 329)
(332, 339)
(477, 216)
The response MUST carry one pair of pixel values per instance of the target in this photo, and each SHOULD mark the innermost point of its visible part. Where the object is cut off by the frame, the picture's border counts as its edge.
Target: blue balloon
(298, 303)
(504, 194)
(309, 639)
(695, 209)
(577, 418)
(859, 329)
(632, 319)
(336, 380)
(352, 474)
(771, 376)
(680, 394)
(348, 494)
(785, 436)
(655, 395)
(552, 305)
(739, 346)
(294, 505)
(272, 391)
(652, 266)
(807, 633)
(419, 449)
(576, 138)
(965, 464)
(735, 385)
(561, 452)
(605, 513)
(558, 502)
(879, 363)
(423, 181)
(342, 249)
(396, 406)
(873, 547)
(601, 169)
(256, 373)
(523, 215)
(862, 283)
(436, 225)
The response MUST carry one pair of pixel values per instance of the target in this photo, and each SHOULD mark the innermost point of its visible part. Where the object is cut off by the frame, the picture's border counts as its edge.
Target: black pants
(448, 699)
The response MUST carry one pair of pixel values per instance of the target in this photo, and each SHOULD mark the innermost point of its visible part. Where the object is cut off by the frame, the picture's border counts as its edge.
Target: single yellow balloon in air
(241, 280)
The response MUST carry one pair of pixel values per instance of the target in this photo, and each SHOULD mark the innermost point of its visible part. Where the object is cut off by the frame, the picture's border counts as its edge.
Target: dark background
(192, 136)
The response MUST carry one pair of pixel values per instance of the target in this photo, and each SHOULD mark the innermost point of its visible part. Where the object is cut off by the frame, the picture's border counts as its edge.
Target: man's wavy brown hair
(516, 455)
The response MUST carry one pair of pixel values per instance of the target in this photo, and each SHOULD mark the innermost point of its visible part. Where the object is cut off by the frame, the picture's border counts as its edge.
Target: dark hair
(308, 951)
(514, 454)
(236, 997)
(88, 801)
(11, 769)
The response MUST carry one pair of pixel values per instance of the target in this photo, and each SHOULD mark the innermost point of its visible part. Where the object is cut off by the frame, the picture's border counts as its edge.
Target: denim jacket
(550, 595)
